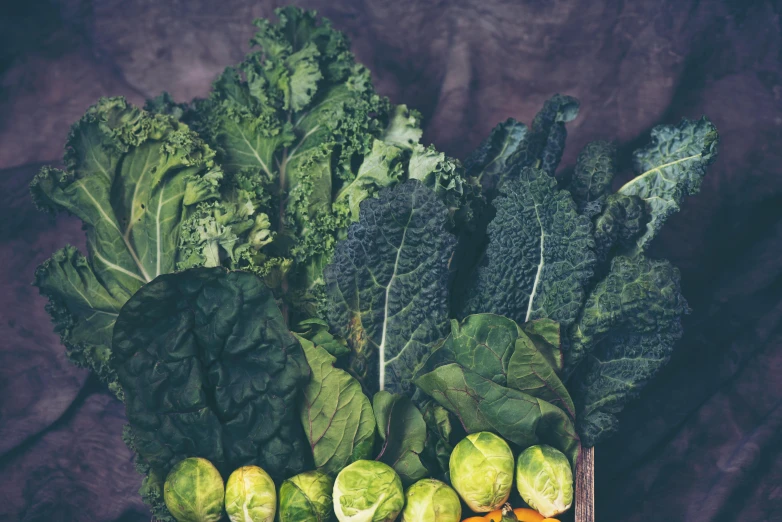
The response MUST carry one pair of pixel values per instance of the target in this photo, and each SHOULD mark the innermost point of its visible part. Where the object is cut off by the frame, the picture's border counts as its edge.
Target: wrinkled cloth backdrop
(702, 443)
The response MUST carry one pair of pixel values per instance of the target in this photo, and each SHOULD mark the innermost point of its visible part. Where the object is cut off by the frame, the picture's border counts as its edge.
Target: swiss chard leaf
(387, 286)
(403, 432)
(483, 405)
(540, 254)
(671, 167)
(209, 368)
(131, 177)
(624, 335)
(336, 415)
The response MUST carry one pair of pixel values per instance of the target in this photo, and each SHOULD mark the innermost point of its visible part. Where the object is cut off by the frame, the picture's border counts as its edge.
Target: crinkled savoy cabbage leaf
(387, 286)
(131, 177)
(209, 368)
(336, 415)
(540, 253)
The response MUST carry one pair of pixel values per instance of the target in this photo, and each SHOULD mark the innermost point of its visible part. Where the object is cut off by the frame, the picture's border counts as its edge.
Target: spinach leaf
(403, 432)
(483, 405)
(387, 286)
(336, 415)
(209, 368)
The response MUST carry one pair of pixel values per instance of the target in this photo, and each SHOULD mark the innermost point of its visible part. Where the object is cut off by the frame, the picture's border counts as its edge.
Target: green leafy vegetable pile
(281, 275)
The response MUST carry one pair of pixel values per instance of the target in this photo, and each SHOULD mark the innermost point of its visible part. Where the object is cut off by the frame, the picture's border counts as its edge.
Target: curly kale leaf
(387, 285)
(671, 167)
(624, 335)
(540, 254)
(543, 145)
(132, 177)
(209, 368)
(336, 415)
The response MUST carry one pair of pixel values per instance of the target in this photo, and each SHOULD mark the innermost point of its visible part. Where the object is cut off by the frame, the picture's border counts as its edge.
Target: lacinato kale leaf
(625, 334)
(671, 167)
(387, 286)
(209, 368)
(490, 163)
(540, 254)
(336, 415)
(132, 178)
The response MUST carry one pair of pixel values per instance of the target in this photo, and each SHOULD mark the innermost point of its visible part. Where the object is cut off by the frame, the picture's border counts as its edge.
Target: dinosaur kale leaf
(387, 286)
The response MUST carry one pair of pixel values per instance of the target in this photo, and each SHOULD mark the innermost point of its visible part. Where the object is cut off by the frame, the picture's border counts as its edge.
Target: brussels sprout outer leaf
(194, 491)
(368, 491)
(209, 367)
(430, 500)
(336, 415)
(250, 495)
(544, 478)
(481, 468)
(307, 498)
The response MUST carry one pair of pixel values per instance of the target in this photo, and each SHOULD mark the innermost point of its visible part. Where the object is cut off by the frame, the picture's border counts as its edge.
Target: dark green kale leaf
(209, 368)
(622, 220)
(132, 177)
(387, 286)
(671, 167)
(624, 335)
(403, 434)
(593, 175)
(539, 257)
(489, 164)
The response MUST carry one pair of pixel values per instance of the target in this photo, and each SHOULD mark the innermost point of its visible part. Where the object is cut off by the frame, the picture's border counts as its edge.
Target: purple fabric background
(702, 443)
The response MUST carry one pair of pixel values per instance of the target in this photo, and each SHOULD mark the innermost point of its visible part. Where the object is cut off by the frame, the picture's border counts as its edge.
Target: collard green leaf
(131, 177)
(403, 432)
(624, 335)
(209, 368)
(489, 163)
(539, 257)
(336, 415)
(543, 145)
(388, 285)
(593, 174)
(483, 405)
(671, 167)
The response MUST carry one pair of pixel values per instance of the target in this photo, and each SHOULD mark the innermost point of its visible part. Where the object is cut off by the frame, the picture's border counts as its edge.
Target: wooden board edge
(585, 486)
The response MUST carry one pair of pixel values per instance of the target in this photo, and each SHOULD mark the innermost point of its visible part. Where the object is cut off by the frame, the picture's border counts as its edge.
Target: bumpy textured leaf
(336, 415)
(403, 432)
(388, 285)
(593, 174)
(131, 177)
(621, 222)
(543, 145)
(489, 163)
(483, 405)
(539, 256)
(209, 368)
(624, 335)
(671, 167)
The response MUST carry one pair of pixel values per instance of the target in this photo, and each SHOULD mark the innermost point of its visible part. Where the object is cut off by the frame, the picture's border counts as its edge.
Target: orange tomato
(474, 519)
(549, 520)
(528, 515)
(494, 516)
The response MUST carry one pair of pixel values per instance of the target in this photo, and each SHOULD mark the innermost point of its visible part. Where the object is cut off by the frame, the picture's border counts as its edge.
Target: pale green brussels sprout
(368, 491)
(307, 498)
(250, 495)
(430, 500)
(194, 491)
(481, 469)
(545, 480)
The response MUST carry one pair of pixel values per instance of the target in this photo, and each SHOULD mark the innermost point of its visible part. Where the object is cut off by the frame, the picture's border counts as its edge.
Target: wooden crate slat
(585, 486)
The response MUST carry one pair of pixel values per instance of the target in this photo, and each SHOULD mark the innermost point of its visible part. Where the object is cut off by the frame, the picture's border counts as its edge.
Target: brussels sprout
(544, 480)
(250, 495)
(307, 498)
(194, 491)
(368, 491)
(481, 469)
(430, 500)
